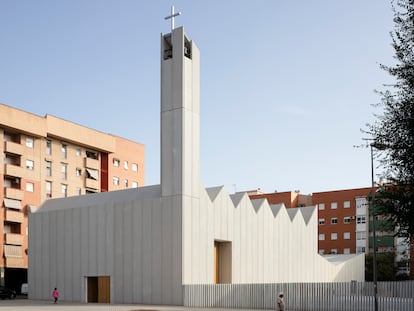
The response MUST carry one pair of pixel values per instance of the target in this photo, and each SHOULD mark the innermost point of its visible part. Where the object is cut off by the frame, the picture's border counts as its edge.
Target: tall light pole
(374, 229)
(374, 218)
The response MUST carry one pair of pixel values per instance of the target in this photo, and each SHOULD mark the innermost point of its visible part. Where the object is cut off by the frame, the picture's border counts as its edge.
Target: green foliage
(396, 202)
(394, 128)
(386, 268)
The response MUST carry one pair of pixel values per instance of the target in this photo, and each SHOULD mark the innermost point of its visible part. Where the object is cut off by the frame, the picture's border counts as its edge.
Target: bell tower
(180, 115)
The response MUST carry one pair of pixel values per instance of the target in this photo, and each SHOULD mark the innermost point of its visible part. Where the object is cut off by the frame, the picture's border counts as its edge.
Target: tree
(393, 130)
(387, 269)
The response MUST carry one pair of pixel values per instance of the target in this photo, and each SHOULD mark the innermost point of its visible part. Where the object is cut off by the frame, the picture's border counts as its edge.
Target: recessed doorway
(222, 262)
(98, 289)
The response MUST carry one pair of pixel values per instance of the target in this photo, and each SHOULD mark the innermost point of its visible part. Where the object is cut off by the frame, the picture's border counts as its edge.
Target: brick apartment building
(48, 157)
(344, 223)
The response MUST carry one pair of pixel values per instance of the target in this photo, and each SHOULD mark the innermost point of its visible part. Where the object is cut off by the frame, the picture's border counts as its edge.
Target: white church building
(143, 245)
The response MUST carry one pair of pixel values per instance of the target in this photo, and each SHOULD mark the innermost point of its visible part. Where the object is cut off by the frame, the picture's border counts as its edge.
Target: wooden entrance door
(104, 289)
(216, 263)
(99, 289)
(222, 262)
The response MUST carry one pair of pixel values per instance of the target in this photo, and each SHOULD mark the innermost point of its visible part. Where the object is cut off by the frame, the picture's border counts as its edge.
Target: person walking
(280, 303)
(55, 294)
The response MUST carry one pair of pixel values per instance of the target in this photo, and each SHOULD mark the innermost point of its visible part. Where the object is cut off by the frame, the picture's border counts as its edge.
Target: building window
(347, 204)
(29, 187)
(64, 190)
(321, 237)
(334, 251)
(29, 164)
(48, 147)
(92, 154)
(360, 249)
(78, 191)
(321, 251)
(29, 142)
(334, 205)
(7, 136)
(92, 174)
(321, 206)
(78, 152)
(334, 236)
(361, 220)
(134, 167)
(134, 184)
(7, 183)
(347, 235)
(347, 251)
(126, 165)
(48, 168)
(361, 235)
(64, 151)
(115, 181)
(64, 171)
(347, 220)
(116, 162)
(78, 172)
(48, 189)
(321, 221)
(126, 183)
(361, 204)
(334, 220)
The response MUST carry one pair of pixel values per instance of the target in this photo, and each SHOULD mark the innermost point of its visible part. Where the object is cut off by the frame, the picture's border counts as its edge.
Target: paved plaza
(41, 305)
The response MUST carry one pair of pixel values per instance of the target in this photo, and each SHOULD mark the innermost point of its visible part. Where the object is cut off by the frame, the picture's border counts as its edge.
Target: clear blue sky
(286, 86)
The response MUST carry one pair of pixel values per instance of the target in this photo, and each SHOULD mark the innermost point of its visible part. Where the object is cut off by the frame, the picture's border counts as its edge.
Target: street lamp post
(374, 229)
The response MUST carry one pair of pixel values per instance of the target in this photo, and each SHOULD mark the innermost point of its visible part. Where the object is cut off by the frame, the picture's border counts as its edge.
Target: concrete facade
(151, 241)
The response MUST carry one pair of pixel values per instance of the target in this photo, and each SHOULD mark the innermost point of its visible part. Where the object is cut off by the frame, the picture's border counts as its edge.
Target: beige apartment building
(48, 157)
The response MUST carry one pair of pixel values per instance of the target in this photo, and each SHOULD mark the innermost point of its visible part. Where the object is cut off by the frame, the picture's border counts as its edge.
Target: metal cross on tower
(173, 14)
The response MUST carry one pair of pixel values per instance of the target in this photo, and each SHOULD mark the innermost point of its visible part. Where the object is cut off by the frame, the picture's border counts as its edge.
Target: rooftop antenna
(173, 14)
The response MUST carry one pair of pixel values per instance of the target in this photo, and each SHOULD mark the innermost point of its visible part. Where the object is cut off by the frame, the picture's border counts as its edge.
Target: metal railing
(351, 296)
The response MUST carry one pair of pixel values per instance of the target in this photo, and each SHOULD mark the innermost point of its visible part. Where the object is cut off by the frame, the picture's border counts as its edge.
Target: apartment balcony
(13, 256)
(92, 163)
(12, 262)
(13, 170)
(13, 251)
(13, 193)
(14, 216)
(92, 183)
(14, 148)
(14, 239)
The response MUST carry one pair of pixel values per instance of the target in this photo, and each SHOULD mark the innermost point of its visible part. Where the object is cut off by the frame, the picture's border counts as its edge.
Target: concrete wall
(269, 242)
(135, 242)
(150, 245)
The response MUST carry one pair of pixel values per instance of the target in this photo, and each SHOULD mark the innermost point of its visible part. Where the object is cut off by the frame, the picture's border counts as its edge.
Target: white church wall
(269, 243)
(136, 243)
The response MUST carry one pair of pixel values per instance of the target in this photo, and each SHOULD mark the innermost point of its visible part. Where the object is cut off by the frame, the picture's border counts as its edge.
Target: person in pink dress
(55, 294)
